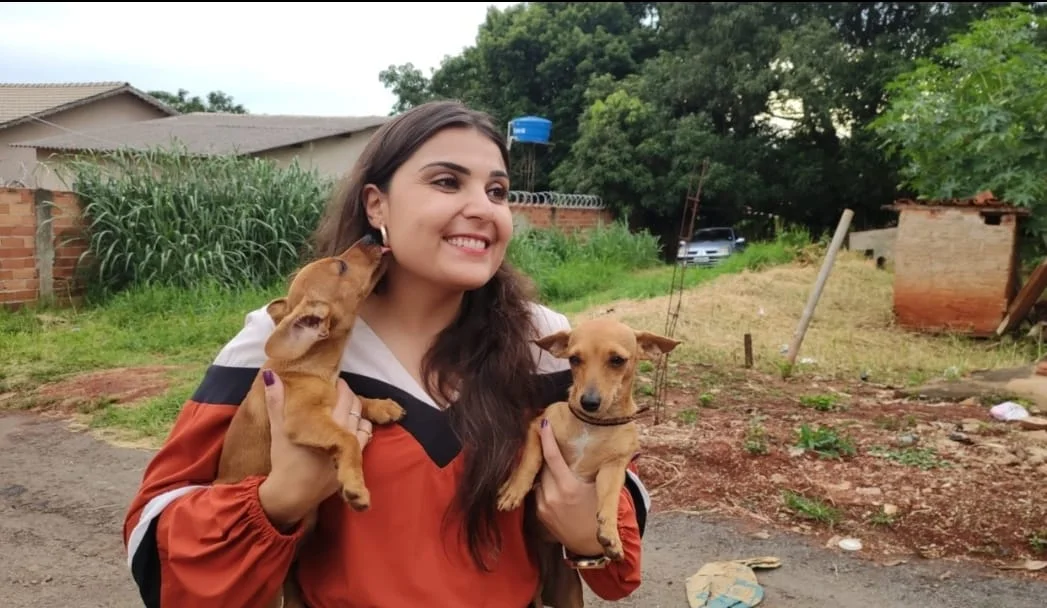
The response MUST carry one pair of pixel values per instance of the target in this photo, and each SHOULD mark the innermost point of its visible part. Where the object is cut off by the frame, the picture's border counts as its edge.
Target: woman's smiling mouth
(468, 244)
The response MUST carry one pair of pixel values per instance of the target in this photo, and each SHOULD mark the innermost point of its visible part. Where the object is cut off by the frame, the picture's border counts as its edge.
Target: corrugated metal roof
(210, 133)
(20, 102)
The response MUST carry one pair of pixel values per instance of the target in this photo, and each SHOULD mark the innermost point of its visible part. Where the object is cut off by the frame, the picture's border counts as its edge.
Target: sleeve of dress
(190, 543)
(618, 579)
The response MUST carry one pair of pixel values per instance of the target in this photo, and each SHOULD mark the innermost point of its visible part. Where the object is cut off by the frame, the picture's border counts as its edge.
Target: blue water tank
(531, 129)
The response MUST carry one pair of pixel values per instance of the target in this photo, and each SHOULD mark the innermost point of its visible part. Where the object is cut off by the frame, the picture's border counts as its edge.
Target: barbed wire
(555, 199)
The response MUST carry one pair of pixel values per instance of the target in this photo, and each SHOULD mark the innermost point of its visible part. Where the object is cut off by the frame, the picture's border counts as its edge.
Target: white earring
(385, 235)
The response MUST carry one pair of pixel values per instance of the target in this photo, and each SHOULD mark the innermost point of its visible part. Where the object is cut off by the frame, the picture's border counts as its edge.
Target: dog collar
(593, 420)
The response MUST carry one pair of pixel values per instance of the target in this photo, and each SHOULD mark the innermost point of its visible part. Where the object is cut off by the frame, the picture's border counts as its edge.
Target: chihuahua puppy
(596, 432)
(313, 325)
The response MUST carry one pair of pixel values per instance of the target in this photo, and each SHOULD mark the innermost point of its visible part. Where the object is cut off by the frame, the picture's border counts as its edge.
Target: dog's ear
(653, 345)
(556, 343)
(277, 310)
(298, 330)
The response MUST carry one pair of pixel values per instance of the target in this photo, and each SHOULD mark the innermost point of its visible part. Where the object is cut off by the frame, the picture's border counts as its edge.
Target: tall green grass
(167, 218)
(569, 265)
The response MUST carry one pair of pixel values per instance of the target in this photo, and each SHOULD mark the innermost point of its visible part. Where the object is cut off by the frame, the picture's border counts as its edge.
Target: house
(35, 111)
(329, 144)
(955, 264)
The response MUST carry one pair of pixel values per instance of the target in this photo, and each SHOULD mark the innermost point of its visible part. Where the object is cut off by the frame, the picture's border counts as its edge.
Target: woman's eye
(446, 182)
(498, 193)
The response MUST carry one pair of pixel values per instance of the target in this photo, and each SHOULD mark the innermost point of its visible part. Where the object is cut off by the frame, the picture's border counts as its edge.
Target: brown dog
(313, 325)
(596, 432)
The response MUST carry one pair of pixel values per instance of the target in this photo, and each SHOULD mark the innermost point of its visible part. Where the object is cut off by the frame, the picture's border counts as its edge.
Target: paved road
(63, 494)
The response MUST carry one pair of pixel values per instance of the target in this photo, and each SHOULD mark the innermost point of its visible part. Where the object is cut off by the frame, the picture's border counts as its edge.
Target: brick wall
(566, 218)
(953, 270)
(37, 261)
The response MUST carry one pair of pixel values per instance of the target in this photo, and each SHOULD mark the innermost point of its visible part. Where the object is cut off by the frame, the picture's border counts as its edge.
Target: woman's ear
(374, 205)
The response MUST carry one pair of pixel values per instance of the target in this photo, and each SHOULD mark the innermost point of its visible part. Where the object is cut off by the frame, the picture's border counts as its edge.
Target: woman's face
(445, 211)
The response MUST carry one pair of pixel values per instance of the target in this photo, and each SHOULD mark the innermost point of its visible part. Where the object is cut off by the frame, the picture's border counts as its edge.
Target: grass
(183, 327)
(852, 333)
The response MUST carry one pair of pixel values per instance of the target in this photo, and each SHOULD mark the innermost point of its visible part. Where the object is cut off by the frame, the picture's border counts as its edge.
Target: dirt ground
(63, 494)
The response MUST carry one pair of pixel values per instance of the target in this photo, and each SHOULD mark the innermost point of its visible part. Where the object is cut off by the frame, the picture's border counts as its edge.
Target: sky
(306, 58)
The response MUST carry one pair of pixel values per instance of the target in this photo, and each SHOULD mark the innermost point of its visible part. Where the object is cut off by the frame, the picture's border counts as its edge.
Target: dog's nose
(590, 401)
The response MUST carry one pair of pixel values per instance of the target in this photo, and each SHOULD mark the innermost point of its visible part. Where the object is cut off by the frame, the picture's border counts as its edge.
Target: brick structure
(955, 264)
(39, 245)
(38, 257)
(565, 218)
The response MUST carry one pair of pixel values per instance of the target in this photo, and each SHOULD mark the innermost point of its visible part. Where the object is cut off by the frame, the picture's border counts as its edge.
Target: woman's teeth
(467, 243)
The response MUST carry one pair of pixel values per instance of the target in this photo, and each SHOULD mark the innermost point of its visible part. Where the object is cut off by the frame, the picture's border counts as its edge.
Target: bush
(569, 265)
(164, 217)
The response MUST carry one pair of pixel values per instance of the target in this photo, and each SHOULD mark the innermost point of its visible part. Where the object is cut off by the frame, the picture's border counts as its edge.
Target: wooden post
(819, 285)
(748, 351)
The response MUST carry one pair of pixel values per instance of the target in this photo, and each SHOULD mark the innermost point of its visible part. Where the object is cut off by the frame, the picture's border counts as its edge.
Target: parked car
(710, 246)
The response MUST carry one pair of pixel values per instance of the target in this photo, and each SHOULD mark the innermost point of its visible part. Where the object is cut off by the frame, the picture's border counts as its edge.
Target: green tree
(971, 117)
(216, 101)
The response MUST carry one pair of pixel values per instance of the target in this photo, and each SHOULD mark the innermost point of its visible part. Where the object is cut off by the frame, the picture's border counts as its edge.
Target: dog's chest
(577, 447)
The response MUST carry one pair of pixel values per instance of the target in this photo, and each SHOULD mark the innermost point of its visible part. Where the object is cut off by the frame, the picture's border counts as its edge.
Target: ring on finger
(357, 414)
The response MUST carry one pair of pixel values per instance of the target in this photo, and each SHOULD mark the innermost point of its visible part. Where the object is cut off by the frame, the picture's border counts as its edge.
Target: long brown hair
(485, 353)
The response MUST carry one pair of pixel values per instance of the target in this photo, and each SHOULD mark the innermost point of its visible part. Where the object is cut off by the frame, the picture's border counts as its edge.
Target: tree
(217, 101)
(971, 117)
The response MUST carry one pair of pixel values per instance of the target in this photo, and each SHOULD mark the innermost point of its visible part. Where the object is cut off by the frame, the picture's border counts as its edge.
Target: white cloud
(278, 58)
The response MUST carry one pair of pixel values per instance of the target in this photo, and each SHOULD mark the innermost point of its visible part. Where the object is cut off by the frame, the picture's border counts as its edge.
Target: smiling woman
(448, 333)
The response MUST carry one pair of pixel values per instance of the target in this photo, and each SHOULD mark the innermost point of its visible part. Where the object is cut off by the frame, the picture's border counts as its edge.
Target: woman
(447, 334)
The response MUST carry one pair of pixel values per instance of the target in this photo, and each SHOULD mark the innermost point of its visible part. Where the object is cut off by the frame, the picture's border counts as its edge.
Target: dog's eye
(342, 266)
(616, 360)
(574, 360)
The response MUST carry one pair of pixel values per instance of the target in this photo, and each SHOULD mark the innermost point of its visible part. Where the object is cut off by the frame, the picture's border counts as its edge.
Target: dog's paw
(359, 498)
(383, 411)
(511, 496)
(607, 534)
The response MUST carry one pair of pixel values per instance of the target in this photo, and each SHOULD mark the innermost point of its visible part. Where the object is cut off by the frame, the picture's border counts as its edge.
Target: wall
(880, 242)
(331, 156)
(565, 218)
(36, 264)
(36, 261)
(23, 164)
(953, 272)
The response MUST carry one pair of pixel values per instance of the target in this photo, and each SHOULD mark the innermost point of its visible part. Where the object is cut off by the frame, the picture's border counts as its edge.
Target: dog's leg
(312, 426)
(609, 480)
(380, 411)
(520, 482)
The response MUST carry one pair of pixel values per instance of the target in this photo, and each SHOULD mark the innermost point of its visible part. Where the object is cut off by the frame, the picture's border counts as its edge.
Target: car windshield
(712, 234)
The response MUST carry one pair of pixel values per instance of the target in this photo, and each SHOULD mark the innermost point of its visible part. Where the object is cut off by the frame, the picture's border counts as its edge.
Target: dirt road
(63, 494)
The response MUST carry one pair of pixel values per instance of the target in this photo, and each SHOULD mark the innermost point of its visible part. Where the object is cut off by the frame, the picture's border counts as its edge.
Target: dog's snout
(590, 401)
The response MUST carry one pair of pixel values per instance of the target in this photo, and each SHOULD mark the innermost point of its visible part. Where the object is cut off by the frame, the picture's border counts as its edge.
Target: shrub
(164, 217)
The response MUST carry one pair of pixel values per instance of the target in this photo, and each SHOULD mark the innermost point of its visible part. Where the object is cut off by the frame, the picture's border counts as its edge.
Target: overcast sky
(275, 58)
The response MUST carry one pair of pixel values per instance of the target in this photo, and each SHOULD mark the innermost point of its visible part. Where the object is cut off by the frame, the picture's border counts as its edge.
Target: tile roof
(20, 102)
(983, 200)
(210, 133)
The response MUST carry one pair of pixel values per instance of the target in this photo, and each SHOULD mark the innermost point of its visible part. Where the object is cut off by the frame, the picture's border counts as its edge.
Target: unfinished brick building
(956, 264)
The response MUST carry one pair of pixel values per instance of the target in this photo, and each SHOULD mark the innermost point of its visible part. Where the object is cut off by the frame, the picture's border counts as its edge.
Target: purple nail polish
(267, 377)
(545, 422)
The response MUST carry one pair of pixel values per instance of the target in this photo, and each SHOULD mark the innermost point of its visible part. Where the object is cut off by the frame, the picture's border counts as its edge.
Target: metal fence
(555, 199)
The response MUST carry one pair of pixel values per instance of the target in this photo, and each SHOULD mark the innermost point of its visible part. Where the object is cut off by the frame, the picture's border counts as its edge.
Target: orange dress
(193, 544)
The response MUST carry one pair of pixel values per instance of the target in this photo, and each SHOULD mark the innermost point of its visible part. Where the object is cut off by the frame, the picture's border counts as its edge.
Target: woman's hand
(566, 505)
(302, 477)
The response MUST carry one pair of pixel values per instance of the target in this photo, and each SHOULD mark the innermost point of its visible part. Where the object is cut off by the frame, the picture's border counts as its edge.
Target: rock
(1033, 423)
(890, 510)
(970, 401)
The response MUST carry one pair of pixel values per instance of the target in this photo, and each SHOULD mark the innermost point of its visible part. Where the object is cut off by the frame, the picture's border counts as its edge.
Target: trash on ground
(729, 584)
(1008, 411)
(850, 544)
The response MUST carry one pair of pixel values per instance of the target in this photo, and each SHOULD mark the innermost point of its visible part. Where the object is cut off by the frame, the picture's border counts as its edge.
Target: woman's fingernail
(545, 422)
(267, 377)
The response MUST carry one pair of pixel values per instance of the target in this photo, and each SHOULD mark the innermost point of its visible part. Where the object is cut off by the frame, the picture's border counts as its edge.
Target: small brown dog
(313, 325)
(596, 432)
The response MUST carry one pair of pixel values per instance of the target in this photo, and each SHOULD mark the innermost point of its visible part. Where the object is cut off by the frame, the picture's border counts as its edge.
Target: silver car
(709, 246)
